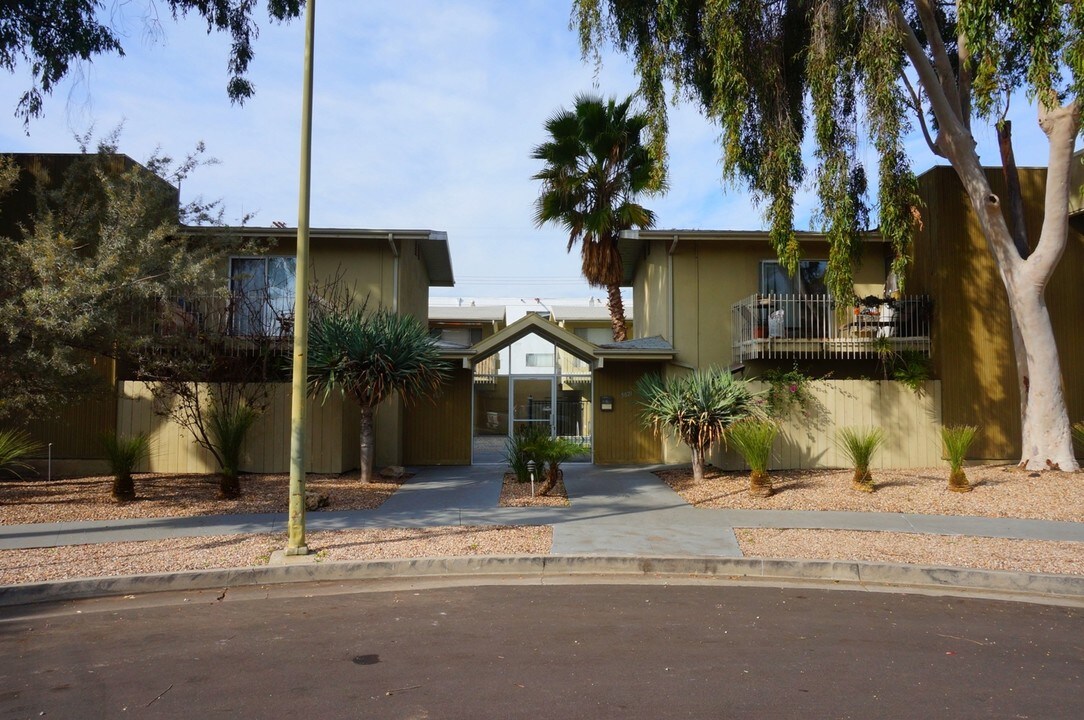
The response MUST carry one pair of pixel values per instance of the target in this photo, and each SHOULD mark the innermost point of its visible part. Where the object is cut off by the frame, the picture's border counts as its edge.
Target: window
(460, 336)
(596, 335)
(774, 279)
(262, 295)
(540, 360)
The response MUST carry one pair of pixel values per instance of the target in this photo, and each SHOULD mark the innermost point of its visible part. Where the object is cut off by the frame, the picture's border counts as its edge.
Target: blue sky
(425, 114)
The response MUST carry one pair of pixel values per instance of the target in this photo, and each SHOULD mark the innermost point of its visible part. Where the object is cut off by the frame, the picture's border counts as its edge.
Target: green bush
(523, 447)
(859, 445)
(957, 440)
(123, 454)
(912, 369)
(15, 445)
(754, 439)
(1078, 434)
(227, 428)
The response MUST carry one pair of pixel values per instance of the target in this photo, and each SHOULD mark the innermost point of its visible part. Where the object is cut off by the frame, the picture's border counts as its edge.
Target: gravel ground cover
(88, 498)
(230, 551)
(999, 491)
(909, 548)
(517, 494)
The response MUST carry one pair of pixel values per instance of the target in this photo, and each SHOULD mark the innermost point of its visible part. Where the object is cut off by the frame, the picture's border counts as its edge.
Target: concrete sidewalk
(615, 511)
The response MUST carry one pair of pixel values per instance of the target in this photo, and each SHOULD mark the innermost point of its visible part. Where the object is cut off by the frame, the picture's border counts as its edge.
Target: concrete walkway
(615, 511)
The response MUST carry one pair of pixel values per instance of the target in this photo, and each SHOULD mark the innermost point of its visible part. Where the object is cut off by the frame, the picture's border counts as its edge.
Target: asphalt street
(541, 651)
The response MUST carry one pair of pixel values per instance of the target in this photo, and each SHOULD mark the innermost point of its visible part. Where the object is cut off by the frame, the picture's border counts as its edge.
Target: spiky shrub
(1078, 434)
(124, 453)
(554, 452)
(698, 408)
(15, 445)
(371, 357)
(860, 445)
(957, 440)
(227, 428)
(754, 439)
(523, 448)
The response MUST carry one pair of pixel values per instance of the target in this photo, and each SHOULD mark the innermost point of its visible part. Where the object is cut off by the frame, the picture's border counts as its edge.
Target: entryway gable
(536, 325)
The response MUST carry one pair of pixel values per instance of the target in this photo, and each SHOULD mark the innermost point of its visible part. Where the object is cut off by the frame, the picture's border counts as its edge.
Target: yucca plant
(957, 440)
(698, 408)
(15, 445)
(859, 445)
(227, 427)
(372, 357)
(754, 439)
(123, 453)
(523, 448)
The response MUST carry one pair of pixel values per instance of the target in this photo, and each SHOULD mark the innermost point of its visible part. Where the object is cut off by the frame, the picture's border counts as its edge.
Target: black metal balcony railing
(816, 326)
(234, 323)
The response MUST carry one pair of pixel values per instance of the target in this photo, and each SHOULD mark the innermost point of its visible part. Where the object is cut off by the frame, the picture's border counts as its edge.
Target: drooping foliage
(863, 71)
(752, 65)
(596, 167)
(50, 36)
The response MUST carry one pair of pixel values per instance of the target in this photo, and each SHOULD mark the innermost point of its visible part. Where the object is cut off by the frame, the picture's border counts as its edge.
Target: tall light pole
(295, 541)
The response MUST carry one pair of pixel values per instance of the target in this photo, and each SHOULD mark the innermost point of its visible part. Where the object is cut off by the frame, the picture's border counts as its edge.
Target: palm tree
(699, 408)
(595, 169)
(370, 357)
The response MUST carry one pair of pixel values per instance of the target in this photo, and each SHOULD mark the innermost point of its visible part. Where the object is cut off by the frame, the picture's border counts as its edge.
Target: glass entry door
(532, 404)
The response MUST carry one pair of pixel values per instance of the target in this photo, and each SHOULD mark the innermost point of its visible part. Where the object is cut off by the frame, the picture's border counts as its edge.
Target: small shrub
(123, 453)
(788, 391)
(957, 440)
(555, 451)
(522, 448)
(912, 369)
(15, 445)
(1078, 434)
(754, 439)
(227, 428)
(859, 445)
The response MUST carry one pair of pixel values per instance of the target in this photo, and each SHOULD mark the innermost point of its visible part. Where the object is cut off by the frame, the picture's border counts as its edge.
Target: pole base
(299, 550)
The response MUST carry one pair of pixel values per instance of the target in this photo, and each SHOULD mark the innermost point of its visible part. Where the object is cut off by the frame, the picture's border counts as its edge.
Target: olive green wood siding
(267, 448)
(76, 433)
(911, 423)
(438, 431)
(971, 334)
(620, 437)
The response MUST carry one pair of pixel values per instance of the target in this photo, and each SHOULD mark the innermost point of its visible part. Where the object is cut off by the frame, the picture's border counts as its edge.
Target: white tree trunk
(1046, 430)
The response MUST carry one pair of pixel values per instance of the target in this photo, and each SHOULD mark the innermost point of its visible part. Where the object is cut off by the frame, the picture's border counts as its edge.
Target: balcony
(768, 327)
(230, 324)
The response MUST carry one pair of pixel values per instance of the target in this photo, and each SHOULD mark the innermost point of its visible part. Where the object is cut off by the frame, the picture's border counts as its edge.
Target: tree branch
(947, 119)
(940, 58)
(1061, 125)
(916, 103)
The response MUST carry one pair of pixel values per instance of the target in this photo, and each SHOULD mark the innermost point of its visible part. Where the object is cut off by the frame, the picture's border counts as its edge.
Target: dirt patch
(517, 494)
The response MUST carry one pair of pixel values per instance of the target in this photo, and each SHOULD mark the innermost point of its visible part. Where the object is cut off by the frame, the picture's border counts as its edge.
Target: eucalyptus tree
(50, 36)
(370, 357)
(758, 67)
(596, 166)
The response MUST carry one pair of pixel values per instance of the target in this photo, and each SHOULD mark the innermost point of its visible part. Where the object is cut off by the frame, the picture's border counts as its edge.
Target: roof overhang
(432, 244)
(568, 341)
(632, 244)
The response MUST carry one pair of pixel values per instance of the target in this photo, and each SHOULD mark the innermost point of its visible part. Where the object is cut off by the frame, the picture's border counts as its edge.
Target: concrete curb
(487, 569)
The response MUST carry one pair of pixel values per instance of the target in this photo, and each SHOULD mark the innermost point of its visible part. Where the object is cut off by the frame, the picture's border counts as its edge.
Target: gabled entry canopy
(570, 342)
